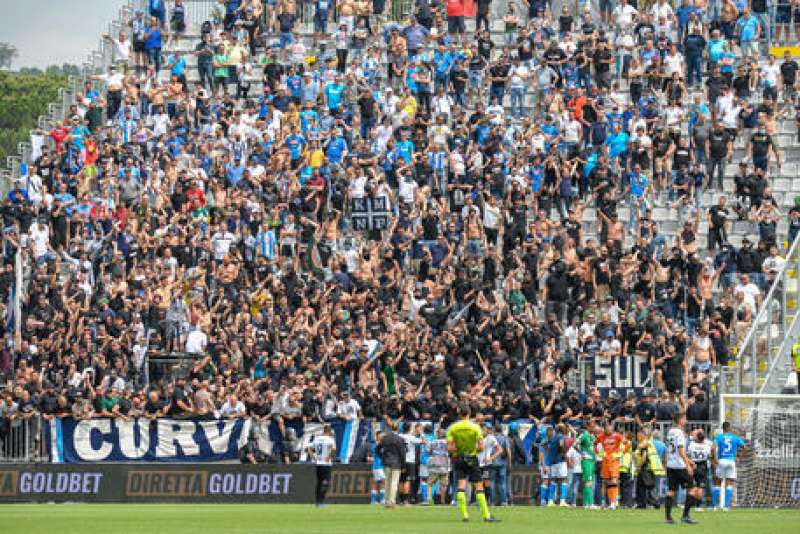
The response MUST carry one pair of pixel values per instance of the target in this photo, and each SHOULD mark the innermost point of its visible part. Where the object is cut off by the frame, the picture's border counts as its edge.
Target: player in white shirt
(699, 452)
(321, 452)
(409, 480)
(680, 472)
(485, 457)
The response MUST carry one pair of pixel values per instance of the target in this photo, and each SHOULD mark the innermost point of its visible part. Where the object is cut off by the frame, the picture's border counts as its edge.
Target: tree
(8, 53)
(23, 97)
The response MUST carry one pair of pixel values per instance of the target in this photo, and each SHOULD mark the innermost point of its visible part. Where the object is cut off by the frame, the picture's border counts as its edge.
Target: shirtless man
(363, 9)
(347, 12)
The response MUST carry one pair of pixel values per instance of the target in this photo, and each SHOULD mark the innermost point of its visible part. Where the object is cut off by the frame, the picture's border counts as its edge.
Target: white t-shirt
(676, 440)
(489, 448)
(698, 452)
(221, 242)
(491, 216)
(572, 131)
(196, 341)
(411, 447)
(750, 292)
(323, 447)
(349, 409)
(408, 190)
(770, 73)
(40, 235)
(623, 15)
(673, 64)
(228, 409)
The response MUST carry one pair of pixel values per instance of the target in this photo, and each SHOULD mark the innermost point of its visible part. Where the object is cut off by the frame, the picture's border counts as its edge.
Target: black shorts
(456, 25)
(466, 468)
(408, 473)
(673, 384)
(486, 473)
(678, 478)
(700, 477)
(323, 474)
(138, 46)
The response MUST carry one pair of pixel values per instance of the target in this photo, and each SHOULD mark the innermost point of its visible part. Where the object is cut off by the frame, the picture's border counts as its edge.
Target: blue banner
(186, 440)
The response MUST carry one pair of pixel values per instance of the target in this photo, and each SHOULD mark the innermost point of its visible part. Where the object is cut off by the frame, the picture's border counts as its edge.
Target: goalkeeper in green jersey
(465, 441)
(588, 459)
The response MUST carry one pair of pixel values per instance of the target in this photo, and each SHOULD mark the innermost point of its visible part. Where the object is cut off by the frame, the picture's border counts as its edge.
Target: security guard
(796, 358)
(626, 470)
(648, 467)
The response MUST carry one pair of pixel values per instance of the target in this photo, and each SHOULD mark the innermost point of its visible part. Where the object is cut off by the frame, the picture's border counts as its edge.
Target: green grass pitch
(363, 519)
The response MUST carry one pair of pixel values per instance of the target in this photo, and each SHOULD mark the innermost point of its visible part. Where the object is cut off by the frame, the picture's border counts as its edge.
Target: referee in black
(321, 452)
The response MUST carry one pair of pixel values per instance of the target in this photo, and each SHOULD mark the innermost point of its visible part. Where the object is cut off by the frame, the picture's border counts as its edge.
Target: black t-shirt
(789, 71)
(600, 57)
(557, 288)
(499, 71)
(459, 78)
(286, 21)
(761, 143)
(485, 47)
(719, 215)
(565, 23)
(718, 144)
(366, 105)
(673, 367)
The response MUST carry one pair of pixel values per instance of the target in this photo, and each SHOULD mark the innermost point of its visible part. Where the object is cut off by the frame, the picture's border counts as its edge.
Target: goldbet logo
(166, 484)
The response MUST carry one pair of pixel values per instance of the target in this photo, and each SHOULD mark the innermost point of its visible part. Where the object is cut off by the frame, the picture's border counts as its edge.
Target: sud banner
(187, 440)
(622, 374)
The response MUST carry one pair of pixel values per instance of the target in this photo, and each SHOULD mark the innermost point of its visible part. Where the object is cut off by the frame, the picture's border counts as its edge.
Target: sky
(52, 32)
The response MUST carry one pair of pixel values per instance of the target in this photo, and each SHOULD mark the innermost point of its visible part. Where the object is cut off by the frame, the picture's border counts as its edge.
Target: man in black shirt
(789, 69)
(760, 148)
(719, 146)
(717, 218)
(498, 75)
(602, 65)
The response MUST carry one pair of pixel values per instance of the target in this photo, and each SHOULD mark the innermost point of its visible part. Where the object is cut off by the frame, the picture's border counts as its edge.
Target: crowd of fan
(214, 218)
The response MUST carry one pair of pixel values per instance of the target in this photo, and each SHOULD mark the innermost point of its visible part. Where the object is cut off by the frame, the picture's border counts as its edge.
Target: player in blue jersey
(377, 495)
(544, 482)
(556, 464)
(726, 447)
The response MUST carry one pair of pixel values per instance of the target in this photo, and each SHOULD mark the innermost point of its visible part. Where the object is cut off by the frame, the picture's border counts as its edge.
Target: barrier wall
(196, 483)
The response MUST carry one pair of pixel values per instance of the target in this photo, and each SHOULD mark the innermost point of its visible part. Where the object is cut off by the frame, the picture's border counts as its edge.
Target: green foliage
(23, 97)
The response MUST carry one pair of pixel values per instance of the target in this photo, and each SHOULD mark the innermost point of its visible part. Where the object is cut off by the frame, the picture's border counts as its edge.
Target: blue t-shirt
(180, 65)
(377, 461)
(747, 28)
(618, 144)
(336, 149)
(333, 93)
(728, 444)
(553, 449)
(234, 173)
(638, 184)
(294, 83)
(405, 149)
(154, 41)
(78, 133)
(295, 144)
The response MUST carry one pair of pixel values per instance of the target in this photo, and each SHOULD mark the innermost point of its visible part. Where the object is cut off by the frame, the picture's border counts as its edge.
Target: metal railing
(20, 440)
(774, 327)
